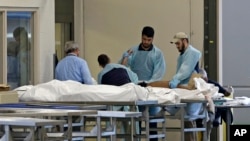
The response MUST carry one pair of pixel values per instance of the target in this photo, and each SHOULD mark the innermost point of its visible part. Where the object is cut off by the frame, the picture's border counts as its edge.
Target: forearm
(124, 61)
(184, 87)
(165, 84)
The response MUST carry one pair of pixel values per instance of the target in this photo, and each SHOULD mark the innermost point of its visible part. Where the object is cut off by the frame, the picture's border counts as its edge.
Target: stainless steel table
(147, 104)
(202, 116)
(31, 112)
(32, 123)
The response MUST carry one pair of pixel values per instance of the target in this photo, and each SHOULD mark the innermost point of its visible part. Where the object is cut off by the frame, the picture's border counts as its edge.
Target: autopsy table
(146, 116)
(31, 112)
(110, 104)
(31, 123)
(202, 115)
(44, 105)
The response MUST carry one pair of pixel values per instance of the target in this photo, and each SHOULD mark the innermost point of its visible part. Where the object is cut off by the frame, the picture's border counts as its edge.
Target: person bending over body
(114, 74)
(187, 61)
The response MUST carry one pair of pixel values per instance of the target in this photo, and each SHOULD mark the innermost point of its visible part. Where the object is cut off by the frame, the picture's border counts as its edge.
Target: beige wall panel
(113, 26)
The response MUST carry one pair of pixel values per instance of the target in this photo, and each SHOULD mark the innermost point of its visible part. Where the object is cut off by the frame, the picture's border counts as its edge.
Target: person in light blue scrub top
(117, 75)
(148, 62)
(114, 74)
(73, 67)
(187, 61)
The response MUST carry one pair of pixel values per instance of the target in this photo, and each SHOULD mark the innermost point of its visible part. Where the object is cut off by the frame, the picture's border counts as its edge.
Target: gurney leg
(99, 128)
(7, 135)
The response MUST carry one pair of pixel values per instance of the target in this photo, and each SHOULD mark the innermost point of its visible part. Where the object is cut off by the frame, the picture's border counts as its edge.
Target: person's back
(114, 74)
(72, 67)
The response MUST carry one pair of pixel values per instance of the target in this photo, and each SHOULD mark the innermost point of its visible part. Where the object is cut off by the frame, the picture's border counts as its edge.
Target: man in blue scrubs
(145, 59)
(187, 61)
(148, 62)
(73, 67)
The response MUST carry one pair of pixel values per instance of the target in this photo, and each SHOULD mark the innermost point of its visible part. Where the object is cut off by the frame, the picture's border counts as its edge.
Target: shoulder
(135, 48)
(157, 52)
(193, 50)
(113, 65)
(81, 59)
(156, 49)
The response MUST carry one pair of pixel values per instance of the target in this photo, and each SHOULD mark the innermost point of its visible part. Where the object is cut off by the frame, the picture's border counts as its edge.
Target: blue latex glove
(173, 83)
(125, 54)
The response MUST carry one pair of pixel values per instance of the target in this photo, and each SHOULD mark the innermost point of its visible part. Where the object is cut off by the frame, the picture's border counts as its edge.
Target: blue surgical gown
(185, 66)
(149, 65)
(73, 68)
(133, 77)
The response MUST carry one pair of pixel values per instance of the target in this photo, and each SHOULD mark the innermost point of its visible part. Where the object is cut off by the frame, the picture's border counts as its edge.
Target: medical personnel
(114, 74)
(73, 67)
(145, 59)
(186, 64)
(148, 62)
(187, 60)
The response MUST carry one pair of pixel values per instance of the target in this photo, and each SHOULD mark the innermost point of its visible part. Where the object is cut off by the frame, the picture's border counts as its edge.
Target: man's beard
(182, 49)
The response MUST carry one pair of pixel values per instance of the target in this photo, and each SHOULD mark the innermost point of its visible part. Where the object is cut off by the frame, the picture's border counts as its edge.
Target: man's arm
(186, 69)
(165, 84)
(99, 78)
(125, 57)
(124, 61)
(132, 76)
(86, 73)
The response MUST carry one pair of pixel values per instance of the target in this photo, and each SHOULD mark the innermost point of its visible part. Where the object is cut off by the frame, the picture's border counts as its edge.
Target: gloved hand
(173, 83)
(230, 89)
(127, 53)
(143, 84)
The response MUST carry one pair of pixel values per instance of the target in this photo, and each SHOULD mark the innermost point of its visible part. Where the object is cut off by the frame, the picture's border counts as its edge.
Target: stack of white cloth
(243, 100)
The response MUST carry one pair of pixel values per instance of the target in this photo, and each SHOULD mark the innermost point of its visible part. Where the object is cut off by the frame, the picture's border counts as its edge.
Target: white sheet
(73, 91)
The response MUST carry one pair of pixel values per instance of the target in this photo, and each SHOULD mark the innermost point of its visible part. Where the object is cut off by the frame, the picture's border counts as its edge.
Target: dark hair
(103, 60)
(17, 32)
(148, 31)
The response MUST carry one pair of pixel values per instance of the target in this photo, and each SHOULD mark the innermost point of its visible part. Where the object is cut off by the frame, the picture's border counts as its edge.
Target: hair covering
(178, 36)
(71, 46)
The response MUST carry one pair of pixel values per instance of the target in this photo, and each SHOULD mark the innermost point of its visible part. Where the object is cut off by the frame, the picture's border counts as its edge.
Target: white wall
(45, 34)
(113, 26)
